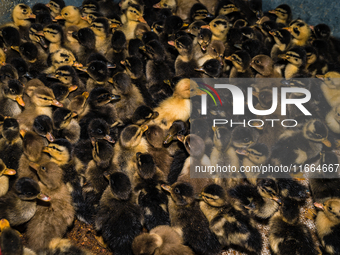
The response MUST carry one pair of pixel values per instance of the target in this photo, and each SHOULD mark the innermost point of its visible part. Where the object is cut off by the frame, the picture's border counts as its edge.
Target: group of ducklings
(95, 124)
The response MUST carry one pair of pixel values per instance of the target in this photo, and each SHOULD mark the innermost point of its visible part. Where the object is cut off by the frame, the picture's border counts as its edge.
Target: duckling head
(311, 55)
(331, 79)
(331, 209)
(33, 145)
(101, 96)
(98, 71)
(21, 67)
(61, 57)
(184, 45)
(155, 136)
(178, 127)
(290, 210)
(43, 126)
(131, 135)
(219, 26)
(199, 12)
(102, 153)
(10, 36)
(172, 25)
(195, 27)
(143, 114)
(316, 131)
(29, 51)
(134, 12)
(10, 129)
(8, 72)
(214, 195)
(121, 83)
(133, 67)
(43, 96)
(268, 188)
(281, 36)
(182, 193)
(13, 89)
(59, 151)
(66, 75)
(212, 68)
(61, 118)
(155, 50)
(167, 4)
(86, 37)
(4, 170)
(300, 30)
(241, 60)
(296, 56)
(184, 88)
(194, 145)
(70, 13)
(257, 153)
(283, 13)
(49, 173)
(89, 6)
(225, 7)
(204, 38)
(262, 64)
(265, 97)
(62, 91)
(118, 41)
(146, 165)
(54, 33)
(28, 189)
(100, 27)
(120, 186)
(21, 14)
(242, 137)
(56, 6)
(99, 129)
(322, 31)
(222, 138)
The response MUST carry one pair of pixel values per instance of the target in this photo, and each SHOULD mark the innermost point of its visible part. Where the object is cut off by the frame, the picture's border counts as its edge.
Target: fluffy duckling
(219, 28)
(241, 65)
(211, 68)
(203, 40)
(117, 53)
(78, 104)
(215, 50)
(330, 87)
(11, 101)
(150, 197)
(43, 126)
(59, 212)
(332, 120)
(199, 11)
(19, 204)
(126, 217)
(133, 15)
(282, 39)
(283, 14)
(100, 27)
(286, 234)
(177, 107)
(21, 16)
(4, 178)
(60, 58)
(162, 240)
(225, 7)
(65, 126)
(297, 59)
(264, 66)
(72, 17)
(143, 115)
(231, 226)
(55, 35)
(300, 31)
(314, 64)
(130, 142)
(130, 96)
(55, 7)
(189, 221)
(41, 101)
(327, 225)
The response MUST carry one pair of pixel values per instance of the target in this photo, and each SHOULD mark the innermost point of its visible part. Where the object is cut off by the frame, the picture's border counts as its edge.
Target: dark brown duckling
(11, 101)
(241, 65)
(65, 126)
(43, 126)
(5, 173)
(264, 65)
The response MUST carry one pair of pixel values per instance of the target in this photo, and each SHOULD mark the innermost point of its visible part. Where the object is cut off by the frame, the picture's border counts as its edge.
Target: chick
(43, 126)
(211, 68)
(282, 39)
(55, 35)
(65, 126)
(72, 17)
(283, 14)
(133, 15)
(55, 7)
(100, 27)
(297, 59)
(286, 234)
(231, 226)
(11, 101)
(215, 50)
(4, 178)
(241, 65)
(162, 240)
(300, 32)
(126, 216)
(21, 16)
(219, 28)
(264, 66)
(329, 87)
(187, 219)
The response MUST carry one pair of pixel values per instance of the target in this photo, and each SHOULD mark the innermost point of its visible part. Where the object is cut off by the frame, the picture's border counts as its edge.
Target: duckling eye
(201, 36)
(215, 25)
(246, 139)
(257, 62)
(99, 131)
(328, 79)
(43, 168)
(165, 5)
(330, 208)
(92, 68)
(296, 30)
(177, 191)
(66, 14)
(11, 91)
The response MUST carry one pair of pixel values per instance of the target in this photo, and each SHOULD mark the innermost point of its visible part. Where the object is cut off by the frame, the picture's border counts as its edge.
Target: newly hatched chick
(50, 220)
(241, 65)
(300, 31)
(162, 240)
(283, 14)
(297, 59)
(264, 65)
(65, 126)
(11, 101)
(43, 126)
(21, 16)
(118, 226)
(286, 234)
(219, 28)
(189, 221)
(4, 178)
(282, 40)
(55, 35)
(215, 50)
(231, 226)
(20, 203)
(55, 7)
(211, 68)
(100, 27)
(133, 16)
(72, 17)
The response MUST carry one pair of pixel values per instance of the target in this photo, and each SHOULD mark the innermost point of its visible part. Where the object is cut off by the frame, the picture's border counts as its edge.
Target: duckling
(59, 212)
(11, 38)
(86, 44)
(282, 39)
(231, 226)
(329, 87)
(133, 15)
(300, 32)
(215, 50)
(286, 234)
(65, 125)
(189, 221)
(117, 53)
(327, 224)
(241, 65)
(72, 17)
(167, 4)
(314, 64)
(21, 16)
(43, 126)
(177, 107)
(143, 115)
(130, 96)
(100, 27)
(4, 178)
(61, 92)
(41, 101)
(130, 142)
(297, 59)
(126, 217)
(212, 68)
(78, 104)
(203, 40)
(283, 14)
(183, 9)
(19, 204)
(149, 195)
(55, 35)
(162, 240)
(299, 146)
(89, 6)
(11, 101)
(55, 7)
(219, 28)
(60, 58)
(200, 11)
(225, 7)
(264, 66)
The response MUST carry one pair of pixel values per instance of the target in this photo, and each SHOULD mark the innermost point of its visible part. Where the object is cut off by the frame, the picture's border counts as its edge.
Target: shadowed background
(313, 12)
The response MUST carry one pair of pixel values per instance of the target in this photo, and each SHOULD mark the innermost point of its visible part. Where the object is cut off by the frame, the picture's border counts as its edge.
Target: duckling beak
(276, 199)
(23, 132)
(82, 68)
(115, 97)
(200, 69)
(228, 58)
(43, 197)
(283, 56)
(59, 17)
(242, 152)
(46, 150)
(53, 76)
(122, 62)
(141, 19)
(272, 11)
(86, 94)
(56, 103)
(205, 26)
(142, 48)
(28, 75)
(49, 137)
(238, 46)
(72, 88)
(321, 77)
(74, 114)
(158, 6)
(48, 5)
(144, 128)
(77, 64)
(166, 187)
(109, 139)
(288, 29)
(4, 224)
(181, 138)
(271, 33)
(35, 166)
(9, 171)
(258, 125)
(327, 143)
(32, 16)
(20, 101)
(213, 128)
(110, 66)
(40, 34)
(167, 82)
(320, 206)
(110, 80)
(168, 139)
(172, 43)
(16, 48)
(107, 175)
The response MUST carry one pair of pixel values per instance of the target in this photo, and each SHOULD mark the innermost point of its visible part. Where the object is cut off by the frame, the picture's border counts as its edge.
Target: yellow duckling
(72, 17)
(133, 16)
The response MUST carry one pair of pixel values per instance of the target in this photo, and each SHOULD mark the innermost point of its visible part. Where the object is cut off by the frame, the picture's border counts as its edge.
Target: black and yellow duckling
(126, 217)
(143, 115)
(65, 126)
(43, 126)
(78, 104)
(297, 59)
(300, 31)
(89, 6)
(160, 240)
(330, 87)
(59, 212)
(5, 174)
(299, 146)
(286, 234)
(314, 64)
(241, 65)
(86, 39)
(150, 197)
(72, 17)
(98, 72)
(20, 203)
(43, 15)
(117, 53)
(200, 11)
(327, 225)
(212, 68)
(219, 28)
(231, 226)
(215, 50)
(131, 141)
(225, 7)
(130, 96)
(282, 39)
(188, 220)
(60, 58)
(203, 40)
(11, 38)
(11, 101)
(100, 27)
(133, 16)
(283, 14)
(54, 34)
(264, 66)
(55, 7)
(61, 92)
(21, 17)
(64, 246)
